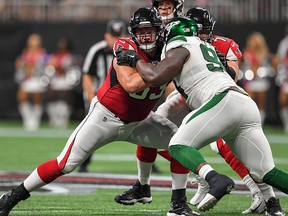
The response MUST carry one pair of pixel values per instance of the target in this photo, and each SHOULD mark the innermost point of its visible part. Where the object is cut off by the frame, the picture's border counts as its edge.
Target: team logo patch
(237, 51)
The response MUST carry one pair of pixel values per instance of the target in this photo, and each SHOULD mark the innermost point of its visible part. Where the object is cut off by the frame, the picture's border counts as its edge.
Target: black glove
(127, 57)
(231, 72)
(223, 60)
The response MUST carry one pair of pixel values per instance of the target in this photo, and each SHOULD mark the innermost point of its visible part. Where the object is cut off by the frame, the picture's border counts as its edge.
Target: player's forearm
(152, 74)
(135, 83)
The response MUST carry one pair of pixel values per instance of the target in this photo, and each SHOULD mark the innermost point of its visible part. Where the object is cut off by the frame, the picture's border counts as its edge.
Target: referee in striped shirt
(96, 66)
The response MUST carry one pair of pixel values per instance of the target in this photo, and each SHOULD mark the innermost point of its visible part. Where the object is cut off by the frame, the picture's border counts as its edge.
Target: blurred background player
(96, 66)
(282, 79)
(168, 9)
(29, 70)
(64, 72)
(257, 67)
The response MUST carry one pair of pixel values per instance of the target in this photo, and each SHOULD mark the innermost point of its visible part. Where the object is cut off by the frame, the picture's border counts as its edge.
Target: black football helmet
(204, 20)
(146, 17)
(178, 10)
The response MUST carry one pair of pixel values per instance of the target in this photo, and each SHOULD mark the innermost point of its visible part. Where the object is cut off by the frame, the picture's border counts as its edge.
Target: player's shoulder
(181, 41)
(125, 43)
(217, 39)
(224, 44)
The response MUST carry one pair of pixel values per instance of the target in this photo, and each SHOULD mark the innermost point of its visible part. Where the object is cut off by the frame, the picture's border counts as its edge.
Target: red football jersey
(227, 47)
(128, 107)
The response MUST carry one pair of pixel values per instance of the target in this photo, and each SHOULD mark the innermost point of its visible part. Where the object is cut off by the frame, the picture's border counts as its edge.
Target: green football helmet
(180, 26)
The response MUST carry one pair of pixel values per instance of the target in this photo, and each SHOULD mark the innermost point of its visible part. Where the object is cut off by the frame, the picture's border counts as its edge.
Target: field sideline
(22, 151)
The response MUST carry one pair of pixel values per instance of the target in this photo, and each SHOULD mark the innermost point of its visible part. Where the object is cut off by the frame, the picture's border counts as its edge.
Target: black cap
(116, 27)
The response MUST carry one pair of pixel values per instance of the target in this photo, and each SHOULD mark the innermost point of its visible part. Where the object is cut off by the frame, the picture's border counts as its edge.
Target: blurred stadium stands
(84, 21)
(225, 11)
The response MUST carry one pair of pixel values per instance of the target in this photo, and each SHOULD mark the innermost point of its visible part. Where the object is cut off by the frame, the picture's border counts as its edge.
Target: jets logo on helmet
(180, 27)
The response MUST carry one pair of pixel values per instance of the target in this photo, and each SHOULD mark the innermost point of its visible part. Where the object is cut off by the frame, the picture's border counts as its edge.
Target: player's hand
(222, 58)
(127, 57)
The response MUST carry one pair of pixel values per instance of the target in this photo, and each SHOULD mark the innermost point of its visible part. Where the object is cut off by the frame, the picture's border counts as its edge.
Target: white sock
(204, 170)
(144, 172)
(266, 190)
(179, 181)
(25, 111)
(249, 182)
(33, 181)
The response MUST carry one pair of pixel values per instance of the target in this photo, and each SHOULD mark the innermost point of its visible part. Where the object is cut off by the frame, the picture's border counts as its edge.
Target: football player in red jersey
(121, 111)
(229, 54)
(174, 109)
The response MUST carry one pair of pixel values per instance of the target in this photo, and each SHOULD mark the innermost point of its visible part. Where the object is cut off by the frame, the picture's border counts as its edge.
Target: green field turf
(23, 151)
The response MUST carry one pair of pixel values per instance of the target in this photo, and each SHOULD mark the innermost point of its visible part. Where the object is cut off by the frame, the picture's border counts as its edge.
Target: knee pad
(49, 171)
(165, 154)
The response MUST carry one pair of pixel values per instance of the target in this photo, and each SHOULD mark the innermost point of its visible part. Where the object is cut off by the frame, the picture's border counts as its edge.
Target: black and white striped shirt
(97, 62)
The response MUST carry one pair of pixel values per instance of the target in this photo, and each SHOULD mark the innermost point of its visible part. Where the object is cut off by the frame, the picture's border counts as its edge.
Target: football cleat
(220, 185)
(180, 208)
(203, 188)
(138, 193)
(273, 207)
(258, 205)
(12, 198)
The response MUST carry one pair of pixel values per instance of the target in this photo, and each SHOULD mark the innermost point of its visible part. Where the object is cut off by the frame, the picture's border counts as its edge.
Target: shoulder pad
(125, 43)
(226, 45)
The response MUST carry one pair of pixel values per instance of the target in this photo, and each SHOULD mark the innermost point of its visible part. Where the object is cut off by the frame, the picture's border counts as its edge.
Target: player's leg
(258, 203)
(82, 142)
(263, 154)
(154, 130)
(140, 191)
(251, 143)
(273, 206)
(175, 109)
(178, 204)
(202, 189)
(260, 192)
(156, 134)
(197, 129)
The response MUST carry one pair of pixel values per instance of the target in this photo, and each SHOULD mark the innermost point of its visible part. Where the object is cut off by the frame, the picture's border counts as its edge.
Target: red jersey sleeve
(227, 46)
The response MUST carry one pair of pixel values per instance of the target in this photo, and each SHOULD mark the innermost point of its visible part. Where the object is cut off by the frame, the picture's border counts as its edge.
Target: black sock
(178, 194)
(21, 192)
(210, 175)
